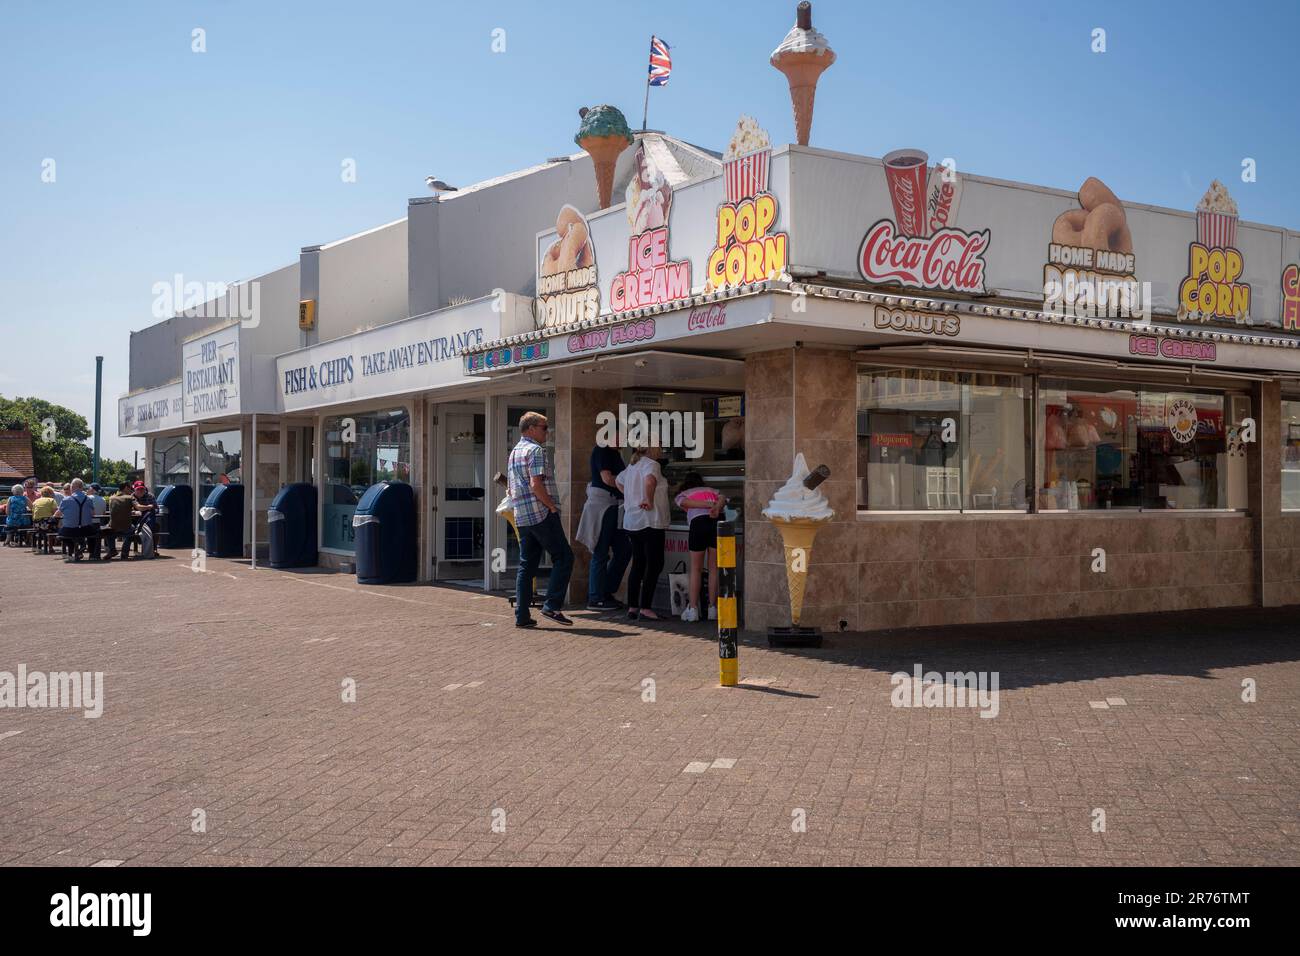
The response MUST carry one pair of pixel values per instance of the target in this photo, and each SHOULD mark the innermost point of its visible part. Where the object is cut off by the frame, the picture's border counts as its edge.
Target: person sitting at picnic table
(145, 502)
(45, 511)
(18, 515)
(78, 523)
(45, 506)
(121, 512)
(30, 492)
(97, 499)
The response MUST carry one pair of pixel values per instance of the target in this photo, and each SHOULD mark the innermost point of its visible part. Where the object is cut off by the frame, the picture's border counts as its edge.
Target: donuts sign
(566, 274)
(1091, 269)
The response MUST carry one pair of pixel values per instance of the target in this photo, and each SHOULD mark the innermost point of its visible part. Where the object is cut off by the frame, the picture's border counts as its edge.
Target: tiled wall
(805, 400)
(574, 430)
(918, 572)
(1282, 561)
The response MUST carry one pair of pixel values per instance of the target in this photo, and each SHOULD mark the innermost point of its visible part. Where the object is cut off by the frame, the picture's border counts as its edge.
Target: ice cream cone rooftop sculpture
(799, 511)
(803, 56)
(604, 134)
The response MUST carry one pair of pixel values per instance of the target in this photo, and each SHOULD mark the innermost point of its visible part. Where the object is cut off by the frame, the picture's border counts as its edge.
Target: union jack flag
(661, 62)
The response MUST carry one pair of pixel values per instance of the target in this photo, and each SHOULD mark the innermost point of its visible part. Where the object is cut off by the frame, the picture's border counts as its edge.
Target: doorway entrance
(460, 485)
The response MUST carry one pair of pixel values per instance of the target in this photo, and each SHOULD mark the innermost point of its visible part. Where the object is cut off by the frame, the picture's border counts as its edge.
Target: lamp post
(99, 387)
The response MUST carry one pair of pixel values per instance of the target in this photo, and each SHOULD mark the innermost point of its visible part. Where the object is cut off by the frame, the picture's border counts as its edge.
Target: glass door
(462, 484)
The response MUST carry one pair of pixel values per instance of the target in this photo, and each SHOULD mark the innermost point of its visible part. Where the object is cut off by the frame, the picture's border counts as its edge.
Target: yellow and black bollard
(728, 627)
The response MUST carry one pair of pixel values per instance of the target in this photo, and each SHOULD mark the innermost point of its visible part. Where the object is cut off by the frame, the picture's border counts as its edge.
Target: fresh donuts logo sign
(567, 290)
(1180, 416)
(1091, 269)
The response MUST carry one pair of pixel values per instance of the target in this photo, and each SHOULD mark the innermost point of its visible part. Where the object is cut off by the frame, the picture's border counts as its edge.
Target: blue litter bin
(385, 523)
(291, 523)
(223, 522)
(176, 516)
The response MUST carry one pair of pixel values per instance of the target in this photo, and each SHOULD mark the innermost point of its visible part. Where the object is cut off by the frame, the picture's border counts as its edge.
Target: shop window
(220, 461)
(380, 451)
(931, 440)
(1291, 455)
(171, 462)
(1108, 446)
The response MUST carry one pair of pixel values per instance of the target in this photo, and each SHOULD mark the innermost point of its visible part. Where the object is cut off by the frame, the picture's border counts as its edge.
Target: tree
(112, 471)
(62, 455)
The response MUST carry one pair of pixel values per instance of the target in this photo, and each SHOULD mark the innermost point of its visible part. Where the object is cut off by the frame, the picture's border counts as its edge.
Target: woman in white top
(645, 518)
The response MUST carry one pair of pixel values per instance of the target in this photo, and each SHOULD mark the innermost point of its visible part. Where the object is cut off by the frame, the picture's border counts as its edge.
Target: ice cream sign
(651, 278)
(1214, 264)
(920, 247)
(746, 249)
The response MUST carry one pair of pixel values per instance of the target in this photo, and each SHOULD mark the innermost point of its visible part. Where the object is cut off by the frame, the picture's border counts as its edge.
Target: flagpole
(645, 111)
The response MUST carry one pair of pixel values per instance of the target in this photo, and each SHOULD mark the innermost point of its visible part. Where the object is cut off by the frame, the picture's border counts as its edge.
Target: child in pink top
(702, 505)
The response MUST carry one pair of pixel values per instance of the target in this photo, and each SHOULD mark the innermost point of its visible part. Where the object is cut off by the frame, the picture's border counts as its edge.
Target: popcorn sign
(1211, 289)
(744, 250)
(1214, 264)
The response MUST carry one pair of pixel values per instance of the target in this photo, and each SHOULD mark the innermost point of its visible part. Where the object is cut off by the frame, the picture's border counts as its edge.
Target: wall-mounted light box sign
(210, 374)
(412, 355)
(155, 410)
(307, 314)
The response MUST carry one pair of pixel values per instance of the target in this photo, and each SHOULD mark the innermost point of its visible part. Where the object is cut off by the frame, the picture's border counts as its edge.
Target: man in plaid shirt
(536, 504)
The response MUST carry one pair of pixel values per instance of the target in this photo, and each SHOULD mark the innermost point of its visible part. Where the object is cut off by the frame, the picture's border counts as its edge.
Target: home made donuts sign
(1091, 269)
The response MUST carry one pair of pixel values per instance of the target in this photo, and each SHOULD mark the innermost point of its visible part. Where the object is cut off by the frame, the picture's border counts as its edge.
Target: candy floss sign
(1291, 298)
(921, 247)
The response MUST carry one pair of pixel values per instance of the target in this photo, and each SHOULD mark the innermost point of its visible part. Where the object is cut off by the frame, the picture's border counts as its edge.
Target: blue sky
(221, 165)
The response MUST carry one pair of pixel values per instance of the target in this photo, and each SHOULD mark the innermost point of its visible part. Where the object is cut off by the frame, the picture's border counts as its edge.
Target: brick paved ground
(224, 694)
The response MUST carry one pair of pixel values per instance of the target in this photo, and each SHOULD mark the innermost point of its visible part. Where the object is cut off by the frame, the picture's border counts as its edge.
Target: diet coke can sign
(943, 199)
(948, 260)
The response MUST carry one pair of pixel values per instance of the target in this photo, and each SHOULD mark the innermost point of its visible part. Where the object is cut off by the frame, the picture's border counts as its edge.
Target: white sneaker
(690, 615)
(713, 612)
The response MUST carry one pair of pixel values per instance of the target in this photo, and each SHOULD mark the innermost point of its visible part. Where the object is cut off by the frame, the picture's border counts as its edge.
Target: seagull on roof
(438, 186)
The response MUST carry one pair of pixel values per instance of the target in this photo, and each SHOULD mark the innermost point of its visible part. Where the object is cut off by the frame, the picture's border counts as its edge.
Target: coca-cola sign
(948, 260)
(712, 317)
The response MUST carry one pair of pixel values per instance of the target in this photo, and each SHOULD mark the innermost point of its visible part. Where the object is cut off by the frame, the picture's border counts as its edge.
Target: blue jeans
(547, 535)
(607, 569)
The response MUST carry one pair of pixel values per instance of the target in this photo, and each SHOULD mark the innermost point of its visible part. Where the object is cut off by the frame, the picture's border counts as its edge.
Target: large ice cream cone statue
(803, 56)
(797, 536)
(604, 134)
(799, 511)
